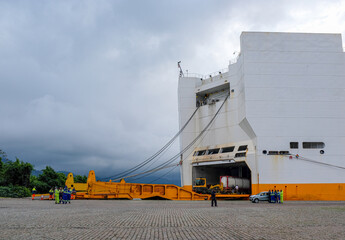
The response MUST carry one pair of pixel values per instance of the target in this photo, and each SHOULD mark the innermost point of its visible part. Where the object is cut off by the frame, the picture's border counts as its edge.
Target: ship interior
(213, 172)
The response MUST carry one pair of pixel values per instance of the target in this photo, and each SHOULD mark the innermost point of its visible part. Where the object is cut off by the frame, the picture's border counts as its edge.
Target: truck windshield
(199, 182)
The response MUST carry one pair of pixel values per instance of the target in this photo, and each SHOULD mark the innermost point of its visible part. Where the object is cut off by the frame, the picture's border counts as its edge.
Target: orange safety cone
(33, 196)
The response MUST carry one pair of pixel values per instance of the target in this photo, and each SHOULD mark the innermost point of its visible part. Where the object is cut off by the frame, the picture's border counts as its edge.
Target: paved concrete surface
(121, 219)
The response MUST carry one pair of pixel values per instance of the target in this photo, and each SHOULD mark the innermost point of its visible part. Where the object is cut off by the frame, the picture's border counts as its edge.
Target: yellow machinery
(201, 187)
(217, 188)
(121, 190)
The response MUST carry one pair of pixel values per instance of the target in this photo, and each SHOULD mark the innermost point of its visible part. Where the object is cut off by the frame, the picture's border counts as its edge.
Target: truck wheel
(256, 200)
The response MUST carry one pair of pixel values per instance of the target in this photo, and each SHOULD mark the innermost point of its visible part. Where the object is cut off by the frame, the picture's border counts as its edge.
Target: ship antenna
(179, 66)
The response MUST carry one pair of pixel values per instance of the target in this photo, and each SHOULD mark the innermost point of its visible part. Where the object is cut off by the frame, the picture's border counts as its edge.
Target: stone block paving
(160, 219)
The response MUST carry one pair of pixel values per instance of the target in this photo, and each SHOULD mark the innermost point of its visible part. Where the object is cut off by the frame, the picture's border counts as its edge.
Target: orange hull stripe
(306, 191)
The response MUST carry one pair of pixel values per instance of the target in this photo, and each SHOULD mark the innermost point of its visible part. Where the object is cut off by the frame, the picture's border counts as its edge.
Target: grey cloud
(93, 84)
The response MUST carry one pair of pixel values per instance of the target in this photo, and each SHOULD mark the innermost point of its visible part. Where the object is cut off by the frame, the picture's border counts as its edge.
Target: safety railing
(203, 77)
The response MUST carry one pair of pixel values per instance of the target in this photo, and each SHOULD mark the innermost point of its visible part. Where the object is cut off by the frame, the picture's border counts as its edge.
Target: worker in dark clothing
(74, 192)
(60, 194)
(275, 196)
(69, 193)
(64, 195)
(272, 197)
(213, 198)
(269, 196)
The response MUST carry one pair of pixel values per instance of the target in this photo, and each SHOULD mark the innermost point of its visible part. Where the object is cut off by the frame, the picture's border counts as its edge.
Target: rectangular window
(293, 145)
(313, 145)
(199, 182)
(228, 149)
(243, 154)
(213, 151)
(201, 153)
(242, 148)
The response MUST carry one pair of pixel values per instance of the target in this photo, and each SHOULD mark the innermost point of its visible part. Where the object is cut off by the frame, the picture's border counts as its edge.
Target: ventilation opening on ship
(222, 178)
(212, 95)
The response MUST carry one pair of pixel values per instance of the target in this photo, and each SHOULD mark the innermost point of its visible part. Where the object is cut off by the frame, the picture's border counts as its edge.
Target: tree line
(16, 179)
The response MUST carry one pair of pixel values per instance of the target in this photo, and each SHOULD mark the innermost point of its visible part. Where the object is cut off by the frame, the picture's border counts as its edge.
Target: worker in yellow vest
(33, 193)
(51, 192)
(281, 196)
(57, 195)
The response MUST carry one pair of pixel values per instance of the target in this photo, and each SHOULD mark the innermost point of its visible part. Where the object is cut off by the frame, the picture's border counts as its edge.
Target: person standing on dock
(51, 192)
(278, 197)
(272, 197)
(64, 195)
(213, 198)
(74, 192)
(69, 192)
(33, 193)
(57, 197)
(60, 195)
(281, 196)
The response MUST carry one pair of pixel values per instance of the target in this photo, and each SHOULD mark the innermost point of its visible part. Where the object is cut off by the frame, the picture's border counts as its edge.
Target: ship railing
(208, 76)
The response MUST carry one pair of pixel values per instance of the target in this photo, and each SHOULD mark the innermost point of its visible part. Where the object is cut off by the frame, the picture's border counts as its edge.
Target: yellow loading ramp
(121, 190)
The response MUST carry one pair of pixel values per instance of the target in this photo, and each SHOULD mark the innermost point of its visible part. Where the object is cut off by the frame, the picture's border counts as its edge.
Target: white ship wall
(295, 92)
(286, 87)
(225, 130)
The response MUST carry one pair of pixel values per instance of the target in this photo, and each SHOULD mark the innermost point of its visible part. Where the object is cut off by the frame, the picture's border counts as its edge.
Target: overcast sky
(93, 84)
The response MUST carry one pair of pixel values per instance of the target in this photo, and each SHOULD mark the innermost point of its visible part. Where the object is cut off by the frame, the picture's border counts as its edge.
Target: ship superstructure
(281, 119)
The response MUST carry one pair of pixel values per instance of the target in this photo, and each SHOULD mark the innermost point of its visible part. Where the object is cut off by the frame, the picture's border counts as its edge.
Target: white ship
(281, 120)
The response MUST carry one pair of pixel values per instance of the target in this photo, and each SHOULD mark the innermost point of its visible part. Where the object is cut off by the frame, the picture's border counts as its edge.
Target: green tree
(62, 179)
(41, 187)
(80, 179)
(2, 180)
(14, 177)
(17, 173)
(14, 191)
(48, 179)
(3, 156)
